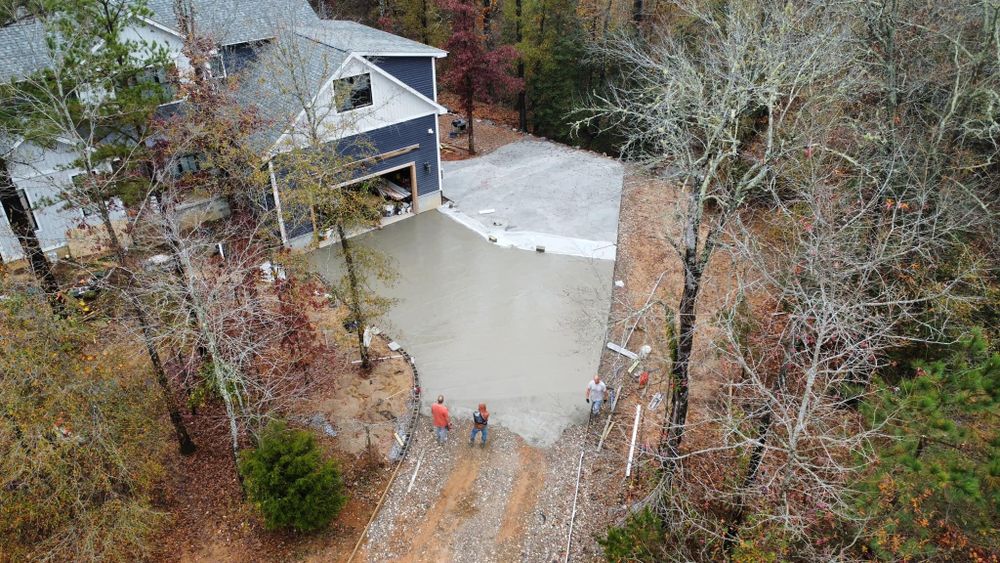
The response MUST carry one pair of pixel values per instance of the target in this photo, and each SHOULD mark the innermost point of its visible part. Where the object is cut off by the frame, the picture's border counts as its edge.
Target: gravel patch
(507, 502)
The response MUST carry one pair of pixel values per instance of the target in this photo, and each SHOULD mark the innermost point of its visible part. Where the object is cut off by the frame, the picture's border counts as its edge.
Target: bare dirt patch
(489, 137)
(522, 502)
(208, 519)
(457, 502)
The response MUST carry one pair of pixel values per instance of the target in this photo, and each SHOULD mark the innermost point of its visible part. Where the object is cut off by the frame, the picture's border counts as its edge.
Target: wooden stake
(604, 435)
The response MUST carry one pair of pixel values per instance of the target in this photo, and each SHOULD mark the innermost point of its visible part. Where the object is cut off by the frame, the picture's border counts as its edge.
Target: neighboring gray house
(392, 105)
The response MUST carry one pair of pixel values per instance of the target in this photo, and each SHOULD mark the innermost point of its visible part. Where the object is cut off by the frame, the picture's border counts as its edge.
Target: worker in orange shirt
(442, 421)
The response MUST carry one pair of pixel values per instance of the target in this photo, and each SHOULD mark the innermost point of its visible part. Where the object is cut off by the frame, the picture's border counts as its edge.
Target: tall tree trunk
(356, 311)
(679, 370)
(756, 456)
(469, 105)
(488, 23)
(693, 265)
(187, 446)
(522, 96)
(21, 224)
(424, 27)
(184, 441)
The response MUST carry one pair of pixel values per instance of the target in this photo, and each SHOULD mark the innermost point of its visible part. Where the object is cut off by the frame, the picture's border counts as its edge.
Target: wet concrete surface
(520, 331)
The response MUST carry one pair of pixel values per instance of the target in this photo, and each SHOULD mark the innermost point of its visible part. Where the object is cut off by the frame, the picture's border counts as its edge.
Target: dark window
(354, 92)
(26, 206)
(217, 66)
(156, 84)
(188, 163)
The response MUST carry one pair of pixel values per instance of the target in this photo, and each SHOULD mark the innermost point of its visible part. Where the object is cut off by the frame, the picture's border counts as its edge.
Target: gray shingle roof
(321, 45)
(236, 21)
(358, 38)
(287, 73)
(22, 50)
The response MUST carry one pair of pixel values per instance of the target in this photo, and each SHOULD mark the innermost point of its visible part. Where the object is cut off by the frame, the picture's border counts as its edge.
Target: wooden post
(413, 187)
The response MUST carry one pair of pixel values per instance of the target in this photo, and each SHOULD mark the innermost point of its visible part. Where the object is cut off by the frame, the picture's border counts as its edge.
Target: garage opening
(397, 188)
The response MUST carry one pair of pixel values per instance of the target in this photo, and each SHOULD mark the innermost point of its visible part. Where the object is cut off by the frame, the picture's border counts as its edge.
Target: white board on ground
(623, 351)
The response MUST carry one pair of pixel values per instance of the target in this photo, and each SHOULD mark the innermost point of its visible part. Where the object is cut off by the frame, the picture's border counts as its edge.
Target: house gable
(392, 102)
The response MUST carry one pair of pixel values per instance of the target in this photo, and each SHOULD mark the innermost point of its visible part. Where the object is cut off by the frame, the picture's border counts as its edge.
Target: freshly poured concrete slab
(520, 331)
(540, 193)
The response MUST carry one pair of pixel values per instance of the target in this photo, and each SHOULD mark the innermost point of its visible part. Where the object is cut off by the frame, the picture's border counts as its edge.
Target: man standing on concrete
(595, 394)
(442, 422)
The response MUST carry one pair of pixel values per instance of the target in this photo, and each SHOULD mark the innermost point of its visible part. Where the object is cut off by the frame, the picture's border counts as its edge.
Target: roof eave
(436, 54)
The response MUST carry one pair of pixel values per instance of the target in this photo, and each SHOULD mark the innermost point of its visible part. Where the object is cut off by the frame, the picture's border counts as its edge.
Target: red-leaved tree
(475, 72)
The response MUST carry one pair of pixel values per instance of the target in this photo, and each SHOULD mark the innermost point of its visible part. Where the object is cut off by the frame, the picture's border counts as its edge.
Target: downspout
(277, 203)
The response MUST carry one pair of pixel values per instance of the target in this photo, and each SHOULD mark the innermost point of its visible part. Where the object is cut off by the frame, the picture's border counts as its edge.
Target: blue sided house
(341, 82)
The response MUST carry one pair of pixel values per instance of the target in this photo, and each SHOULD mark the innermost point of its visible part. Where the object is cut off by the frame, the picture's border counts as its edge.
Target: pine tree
(936, 490)
(287, 478)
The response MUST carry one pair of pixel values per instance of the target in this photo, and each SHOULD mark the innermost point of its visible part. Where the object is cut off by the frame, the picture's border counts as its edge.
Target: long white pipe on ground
(572, 516)
(631, 448)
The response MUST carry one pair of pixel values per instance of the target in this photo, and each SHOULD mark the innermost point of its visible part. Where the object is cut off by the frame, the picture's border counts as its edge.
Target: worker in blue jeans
(480, 420)
(595, 394)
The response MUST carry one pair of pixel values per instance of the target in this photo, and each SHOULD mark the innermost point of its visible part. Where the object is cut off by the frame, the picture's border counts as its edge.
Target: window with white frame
(353, 92)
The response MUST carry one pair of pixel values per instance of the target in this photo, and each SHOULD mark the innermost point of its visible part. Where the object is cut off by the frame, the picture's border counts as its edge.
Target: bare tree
(229, 299)
(320, 157)
(716, 118)
(96, 98)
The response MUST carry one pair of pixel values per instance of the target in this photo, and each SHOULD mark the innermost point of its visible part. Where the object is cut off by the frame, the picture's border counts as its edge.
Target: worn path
(507, 502)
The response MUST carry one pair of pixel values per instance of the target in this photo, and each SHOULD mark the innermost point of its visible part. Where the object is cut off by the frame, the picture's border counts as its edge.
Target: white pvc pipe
(631, 448)
(572, 516)
(415, 471)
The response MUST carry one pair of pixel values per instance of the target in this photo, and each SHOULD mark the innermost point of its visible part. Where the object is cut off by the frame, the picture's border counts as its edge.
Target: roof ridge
(296, 31)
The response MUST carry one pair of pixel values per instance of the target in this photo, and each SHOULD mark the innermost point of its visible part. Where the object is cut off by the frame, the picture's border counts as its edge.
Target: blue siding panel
(394, 137)
(415, 72)
(379, 141)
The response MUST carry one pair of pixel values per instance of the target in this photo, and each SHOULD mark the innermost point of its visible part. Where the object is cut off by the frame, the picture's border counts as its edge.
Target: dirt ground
(489, 136)
(207, 519)
(473, 504)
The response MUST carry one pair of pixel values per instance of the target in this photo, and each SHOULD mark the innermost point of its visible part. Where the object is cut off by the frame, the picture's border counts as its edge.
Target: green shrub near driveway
(287, 478)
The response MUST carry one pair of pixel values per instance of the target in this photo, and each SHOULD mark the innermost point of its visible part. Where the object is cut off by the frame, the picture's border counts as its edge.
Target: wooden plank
(623, 351)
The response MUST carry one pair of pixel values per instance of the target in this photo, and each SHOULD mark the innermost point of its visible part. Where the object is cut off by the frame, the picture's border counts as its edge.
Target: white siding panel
(10, 248)
(153, 34)
(43, 174)
(391, 104)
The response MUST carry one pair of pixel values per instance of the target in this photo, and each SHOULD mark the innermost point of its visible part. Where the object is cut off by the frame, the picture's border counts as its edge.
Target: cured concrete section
(520, 331)
(540, 193)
